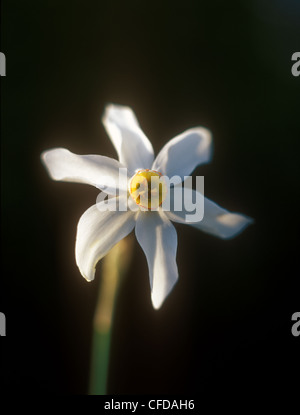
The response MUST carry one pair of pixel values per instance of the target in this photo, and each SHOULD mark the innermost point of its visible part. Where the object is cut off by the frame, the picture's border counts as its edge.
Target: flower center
(148, 189)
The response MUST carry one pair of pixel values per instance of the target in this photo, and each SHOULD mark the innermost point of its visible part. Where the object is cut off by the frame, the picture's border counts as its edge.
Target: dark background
(223, 65)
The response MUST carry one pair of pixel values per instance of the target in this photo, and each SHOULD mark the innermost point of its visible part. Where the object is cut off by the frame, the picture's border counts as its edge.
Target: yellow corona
(148, 189)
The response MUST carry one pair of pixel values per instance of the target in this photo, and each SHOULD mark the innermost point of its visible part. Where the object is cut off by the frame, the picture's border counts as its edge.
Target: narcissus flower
(99, 228)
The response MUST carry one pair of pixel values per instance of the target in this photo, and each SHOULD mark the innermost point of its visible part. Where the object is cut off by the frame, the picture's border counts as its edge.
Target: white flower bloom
(99, 229)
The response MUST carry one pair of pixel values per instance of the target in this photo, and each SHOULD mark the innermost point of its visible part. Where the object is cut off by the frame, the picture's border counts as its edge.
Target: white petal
(158, 239)
(133, 147)
(97, 232)
(99, 171)
(181, 155)
(216, 221)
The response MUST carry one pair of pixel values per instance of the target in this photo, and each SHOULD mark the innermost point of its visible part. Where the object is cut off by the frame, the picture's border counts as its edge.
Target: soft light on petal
(97, 232)
(181, 155)
(133, 147)
(99, 171)
(216, 221)
(158, 239)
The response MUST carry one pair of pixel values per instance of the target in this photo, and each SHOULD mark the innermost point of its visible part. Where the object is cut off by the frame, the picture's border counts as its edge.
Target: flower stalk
(114, 267)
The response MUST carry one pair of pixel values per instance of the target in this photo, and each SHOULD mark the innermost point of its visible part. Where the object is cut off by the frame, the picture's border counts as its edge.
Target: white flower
(98, 231)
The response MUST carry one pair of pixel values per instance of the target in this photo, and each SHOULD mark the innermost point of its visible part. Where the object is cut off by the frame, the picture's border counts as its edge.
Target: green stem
(114, 266)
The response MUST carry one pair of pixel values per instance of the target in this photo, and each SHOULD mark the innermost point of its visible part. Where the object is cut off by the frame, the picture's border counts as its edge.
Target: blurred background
(225, 66)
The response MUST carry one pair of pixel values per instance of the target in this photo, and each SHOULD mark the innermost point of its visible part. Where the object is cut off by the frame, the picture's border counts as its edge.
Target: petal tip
(45, 160)
(112, 109)
(51, 160)
(157, 300)
(44, 156)
(88, 276)
(234, 223)
(205, 147)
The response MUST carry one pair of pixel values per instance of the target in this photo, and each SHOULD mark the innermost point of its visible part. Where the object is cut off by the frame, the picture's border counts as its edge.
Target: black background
(223, 65)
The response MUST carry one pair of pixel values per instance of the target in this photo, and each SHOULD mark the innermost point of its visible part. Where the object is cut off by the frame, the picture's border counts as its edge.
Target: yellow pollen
(148, 189)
